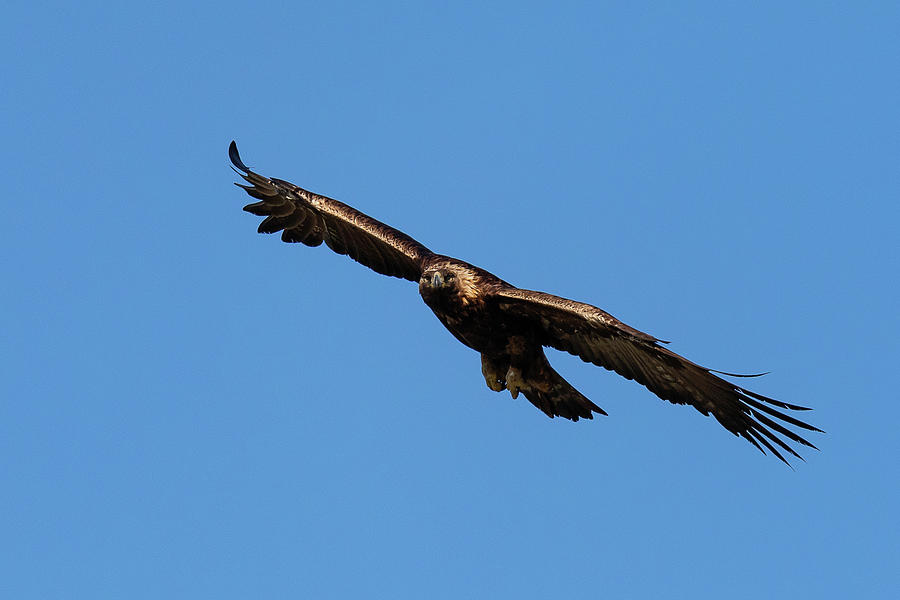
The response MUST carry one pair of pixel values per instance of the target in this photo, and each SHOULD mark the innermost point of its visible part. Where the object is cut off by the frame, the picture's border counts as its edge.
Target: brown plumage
(509, 326)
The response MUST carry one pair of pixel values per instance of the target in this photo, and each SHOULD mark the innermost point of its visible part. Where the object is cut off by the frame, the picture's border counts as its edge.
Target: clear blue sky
(192, 410)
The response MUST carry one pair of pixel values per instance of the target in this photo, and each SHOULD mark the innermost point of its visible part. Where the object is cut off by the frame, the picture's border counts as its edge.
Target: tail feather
(553, 395)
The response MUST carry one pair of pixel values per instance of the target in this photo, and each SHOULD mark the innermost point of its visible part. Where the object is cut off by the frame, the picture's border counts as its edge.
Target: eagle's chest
(476, 324)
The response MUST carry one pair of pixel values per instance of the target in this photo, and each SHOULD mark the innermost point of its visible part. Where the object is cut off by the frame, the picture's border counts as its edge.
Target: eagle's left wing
(309, 218)
(597, 337)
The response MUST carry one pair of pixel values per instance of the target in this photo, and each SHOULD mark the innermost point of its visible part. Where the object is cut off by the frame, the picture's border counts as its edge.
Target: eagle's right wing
(309, 218)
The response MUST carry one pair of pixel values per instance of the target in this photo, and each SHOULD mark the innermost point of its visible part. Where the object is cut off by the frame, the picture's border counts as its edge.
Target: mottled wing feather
(311, 219)
(597, 337)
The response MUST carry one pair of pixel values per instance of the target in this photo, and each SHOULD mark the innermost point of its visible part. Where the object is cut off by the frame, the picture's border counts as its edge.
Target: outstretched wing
(309, 218)
(597, 337)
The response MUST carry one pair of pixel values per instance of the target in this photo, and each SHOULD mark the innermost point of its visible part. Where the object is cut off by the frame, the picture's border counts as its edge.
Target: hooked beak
(437, 280)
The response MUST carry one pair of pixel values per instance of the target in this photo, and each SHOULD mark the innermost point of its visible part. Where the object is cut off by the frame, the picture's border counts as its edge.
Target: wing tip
(236, 157)
(739, 374)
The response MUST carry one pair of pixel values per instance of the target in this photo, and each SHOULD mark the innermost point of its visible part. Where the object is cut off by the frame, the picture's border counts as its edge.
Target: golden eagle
(509, 326)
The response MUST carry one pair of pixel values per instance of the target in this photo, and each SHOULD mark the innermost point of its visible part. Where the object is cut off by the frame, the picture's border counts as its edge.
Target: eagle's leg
(494, 371)
(517, 349)
(527, 378)
(515, 381)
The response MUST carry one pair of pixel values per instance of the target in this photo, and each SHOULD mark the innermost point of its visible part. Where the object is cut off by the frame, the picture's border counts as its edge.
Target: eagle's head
(449, 283)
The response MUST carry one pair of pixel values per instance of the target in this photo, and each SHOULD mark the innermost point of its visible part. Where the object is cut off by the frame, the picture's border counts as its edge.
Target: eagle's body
(467, 300)
(510, 326)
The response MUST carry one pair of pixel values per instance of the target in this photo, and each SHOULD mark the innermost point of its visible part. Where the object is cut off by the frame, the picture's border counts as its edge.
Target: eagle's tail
(546, 389)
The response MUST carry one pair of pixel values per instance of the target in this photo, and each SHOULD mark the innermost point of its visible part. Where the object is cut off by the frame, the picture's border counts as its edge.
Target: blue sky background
(189, 409)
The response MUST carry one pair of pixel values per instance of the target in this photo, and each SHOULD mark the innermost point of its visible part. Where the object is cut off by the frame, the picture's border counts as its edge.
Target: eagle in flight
(510, 326)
